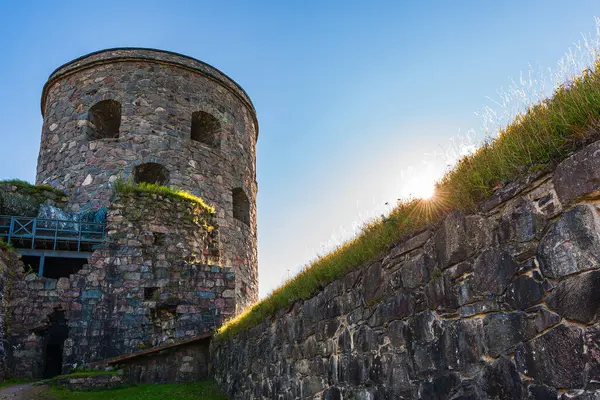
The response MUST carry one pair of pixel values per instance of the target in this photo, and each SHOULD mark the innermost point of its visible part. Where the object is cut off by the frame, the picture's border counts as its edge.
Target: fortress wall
(156, 281)
(153, 283)
(8, 262)
(24, 200)
(500, 304)
(158, 93)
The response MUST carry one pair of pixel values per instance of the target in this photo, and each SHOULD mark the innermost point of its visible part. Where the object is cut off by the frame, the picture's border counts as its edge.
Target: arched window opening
(105, 119)
(241, 206)
(152, 173)
(205, 128)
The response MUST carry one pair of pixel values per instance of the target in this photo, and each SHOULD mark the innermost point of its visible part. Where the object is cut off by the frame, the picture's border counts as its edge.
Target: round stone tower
(144, 115)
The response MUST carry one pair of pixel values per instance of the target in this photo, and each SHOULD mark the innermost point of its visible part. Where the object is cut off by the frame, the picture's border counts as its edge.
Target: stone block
(504, 331)
(579, 175)
(492, 272)
(571, 244)
(524, 292)
(520, 222)
(577, 297)
(557, 358)
(374, 282)
(500, 380)
(396, 307)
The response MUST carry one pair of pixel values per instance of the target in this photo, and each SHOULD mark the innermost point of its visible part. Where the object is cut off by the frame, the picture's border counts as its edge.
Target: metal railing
(50, 234)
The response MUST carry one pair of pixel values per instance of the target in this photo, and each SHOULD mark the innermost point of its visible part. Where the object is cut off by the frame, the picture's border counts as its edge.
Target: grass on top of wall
(178, 194)
(32, 189)
(547, 133)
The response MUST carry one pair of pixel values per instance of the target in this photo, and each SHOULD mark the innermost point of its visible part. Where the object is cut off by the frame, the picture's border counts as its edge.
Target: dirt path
(25, 391)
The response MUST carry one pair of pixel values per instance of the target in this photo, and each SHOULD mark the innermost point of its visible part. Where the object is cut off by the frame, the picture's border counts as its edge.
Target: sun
(423, 189)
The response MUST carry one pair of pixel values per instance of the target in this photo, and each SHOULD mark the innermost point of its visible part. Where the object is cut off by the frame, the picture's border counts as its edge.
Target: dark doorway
(54, 339)
(62, 267)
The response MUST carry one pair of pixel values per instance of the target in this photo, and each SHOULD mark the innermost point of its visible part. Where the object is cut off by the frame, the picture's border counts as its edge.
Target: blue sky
(353, 97)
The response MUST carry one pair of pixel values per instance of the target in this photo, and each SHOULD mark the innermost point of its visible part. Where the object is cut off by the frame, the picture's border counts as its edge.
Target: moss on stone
(33, 190)
(123, 187)
(21, 198)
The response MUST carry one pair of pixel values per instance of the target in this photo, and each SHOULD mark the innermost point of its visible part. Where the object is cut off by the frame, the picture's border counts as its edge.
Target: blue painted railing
(51, 234)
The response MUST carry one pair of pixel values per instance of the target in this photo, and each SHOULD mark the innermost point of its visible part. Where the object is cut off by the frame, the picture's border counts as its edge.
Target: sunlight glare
(424, 190)
(420, 186)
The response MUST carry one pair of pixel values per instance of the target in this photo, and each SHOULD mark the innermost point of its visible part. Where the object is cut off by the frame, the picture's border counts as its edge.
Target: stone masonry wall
(500, 304)
(158, 92)
(156, 281)
(8, 261)
(153, 283)
(186, 363)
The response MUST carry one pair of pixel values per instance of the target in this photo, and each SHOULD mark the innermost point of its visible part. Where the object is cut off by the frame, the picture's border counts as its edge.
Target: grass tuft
(32, 189)
(548, 132)
(126, 187)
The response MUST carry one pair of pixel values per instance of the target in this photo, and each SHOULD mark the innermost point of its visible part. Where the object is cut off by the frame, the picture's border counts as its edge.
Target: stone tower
(153, 116)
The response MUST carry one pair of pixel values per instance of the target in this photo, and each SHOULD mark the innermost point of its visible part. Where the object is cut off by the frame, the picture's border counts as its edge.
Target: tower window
(152, 173)
(205, 128)
(241, 206)
(105, 118)
(151, 293)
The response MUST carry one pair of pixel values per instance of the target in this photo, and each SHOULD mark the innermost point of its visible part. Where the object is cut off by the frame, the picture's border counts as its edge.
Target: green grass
(546, 134)
(6, 246)
(32, 189)
(12, 382)
(83, 374)
(182, 391)
(126, 187)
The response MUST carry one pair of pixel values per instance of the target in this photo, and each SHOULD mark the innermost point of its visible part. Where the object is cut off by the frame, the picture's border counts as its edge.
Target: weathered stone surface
(592, 343)
(458, 237)
(578, 175)
(374, 282)
(416, 272)
(541, 392)
(487, 308)
(556, 358)
(520, 222)
(414, 242)
(462, 344)
(544, 319)
(440, 387)
(504, 331)
(500, 380)
(524, 292)
(572, 244)
(492, 271)
(577, 297)
(397, 307)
